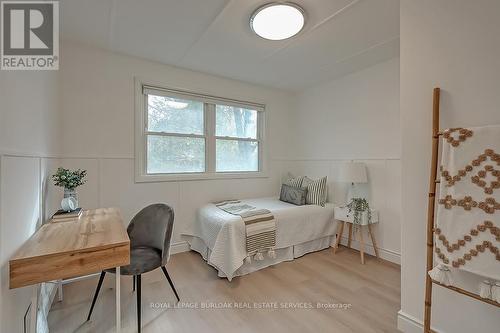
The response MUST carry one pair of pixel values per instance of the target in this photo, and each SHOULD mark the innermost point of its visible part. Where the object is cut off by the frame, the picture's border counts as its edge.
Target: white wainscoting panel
(111, 183)
(23, 205)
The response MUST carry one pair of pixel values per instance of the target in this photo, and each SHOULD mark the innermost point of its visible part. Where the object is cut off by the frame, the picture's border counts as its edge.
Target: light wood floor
(373, 290)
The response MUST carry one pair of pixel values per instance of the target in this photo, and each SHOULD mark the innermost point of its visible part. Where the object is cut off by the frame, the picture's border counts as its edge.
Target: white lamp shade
(354, 172)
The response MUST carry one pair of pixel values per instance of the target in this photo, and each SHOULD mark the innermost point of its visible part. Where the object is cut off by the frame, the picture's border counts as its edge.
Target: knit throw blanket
(260, 227)
(467, 233)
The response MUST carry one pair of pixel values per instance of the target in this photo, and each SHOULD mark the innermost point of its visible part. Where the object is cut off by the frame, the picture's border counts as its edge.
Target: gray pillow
(293, 195)
(294, 181)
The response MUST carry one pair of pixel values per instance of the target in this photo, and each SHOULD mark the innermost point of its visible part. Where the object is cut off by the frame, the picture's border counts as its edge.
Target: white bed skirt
(284, 254)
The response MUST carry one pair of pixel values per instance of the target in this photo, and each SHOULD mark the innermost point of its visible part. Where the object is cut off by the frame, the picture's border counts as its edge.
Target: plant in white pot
(358, 206)
(69, 180)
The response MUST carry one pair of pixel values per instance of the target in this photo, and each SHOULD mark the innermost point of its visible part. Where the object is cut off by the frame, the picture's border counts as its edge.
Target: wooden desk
(59, 250)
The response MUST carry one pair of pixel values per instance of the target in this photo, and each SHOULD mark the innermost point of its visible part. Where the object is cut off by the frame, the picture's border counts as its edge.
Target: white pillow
(316, 191)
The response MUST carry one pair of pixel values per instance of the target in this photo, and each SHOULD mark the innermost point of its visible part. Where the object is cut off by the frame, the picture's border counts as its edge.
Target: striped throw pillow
(295, 182)
(316, 191)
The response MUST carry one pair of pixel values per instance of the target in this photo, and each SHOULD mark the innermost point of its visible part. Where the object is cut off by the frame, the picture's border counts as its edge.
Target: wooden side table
(342, 214)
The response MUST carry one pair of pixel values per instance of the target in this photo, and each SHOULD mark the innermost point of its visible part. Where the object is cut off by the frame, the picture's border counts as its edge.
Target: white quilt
(224, 233)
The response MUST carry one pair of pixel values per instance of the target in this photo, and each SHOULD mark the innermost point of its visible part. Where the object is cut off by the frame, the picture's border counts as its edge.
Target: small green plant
(69, 179)
(358, 206)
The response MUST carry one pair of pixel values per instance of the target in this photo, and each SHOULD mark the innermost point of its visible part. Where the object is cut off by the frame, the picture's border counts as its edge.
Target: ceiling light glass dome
(277, 21)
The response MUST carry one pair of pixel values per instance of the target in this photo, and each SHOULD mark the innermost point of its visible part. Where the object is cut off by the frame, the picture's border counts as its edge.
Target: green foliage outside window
(171, 148)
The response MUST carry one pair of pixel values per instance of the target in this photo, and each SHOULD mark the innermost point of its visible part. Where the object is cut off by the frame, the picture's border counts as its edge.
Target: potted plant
(69, 180)
(359, 206)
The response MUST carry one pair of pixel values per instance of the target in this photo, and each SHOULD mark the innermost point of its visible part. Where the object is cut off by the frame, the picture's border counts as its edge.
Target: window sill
(157, 178)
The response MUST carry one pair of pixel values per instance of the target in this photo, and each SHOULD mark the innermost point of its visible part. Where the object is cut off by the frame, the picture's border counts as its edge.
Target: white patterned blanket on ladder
(467, 233)
(260, 228)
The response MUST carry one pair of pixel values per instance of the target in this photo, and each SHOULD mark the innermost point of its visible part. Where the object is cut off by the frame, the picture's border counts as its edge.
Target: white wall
(29, 117)
(28, 133)
(355, 117)
(97, 105)
(453, 44)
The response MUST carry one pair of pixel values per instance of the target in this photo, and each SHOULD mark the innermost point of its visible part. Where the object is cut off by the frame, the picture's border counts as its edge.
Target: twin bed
(220, 237)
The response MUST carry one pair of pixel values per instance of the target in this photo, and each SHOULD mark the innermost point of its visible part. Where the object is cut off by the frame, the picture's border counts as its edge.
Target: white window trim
(140, 138)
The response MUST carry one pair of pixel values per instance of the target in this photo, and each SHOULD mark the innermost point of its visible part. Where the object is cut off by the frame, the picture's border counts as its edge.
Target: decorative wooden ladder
(436, 134)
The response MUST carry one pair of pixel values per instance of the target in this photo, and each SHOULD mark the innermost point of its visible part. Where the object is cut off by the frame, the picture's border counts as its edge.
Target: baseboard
(385, 254)
(179, 247)
(410, 324)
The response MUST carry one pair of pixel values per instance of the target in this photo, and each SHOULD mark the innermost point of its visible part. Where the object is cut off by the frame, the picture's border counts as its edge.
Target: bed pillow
(294, 195)
(295, 182)
(316, 191)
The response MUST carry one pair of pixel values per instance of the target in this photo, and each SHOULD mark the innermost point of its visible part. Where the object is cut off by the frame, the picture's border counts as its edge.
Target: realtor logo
(29, 35)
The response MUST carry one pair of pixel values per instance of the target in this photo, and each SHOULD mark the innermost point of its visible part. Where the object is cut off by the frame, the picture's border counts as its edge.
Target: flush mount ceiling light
(277, 21)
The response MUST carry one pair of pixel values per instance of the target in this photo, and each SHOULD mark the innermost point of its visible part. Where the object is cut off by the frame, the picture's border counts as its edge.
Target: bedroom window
(183, 136)
(236, 139)
(175, 135)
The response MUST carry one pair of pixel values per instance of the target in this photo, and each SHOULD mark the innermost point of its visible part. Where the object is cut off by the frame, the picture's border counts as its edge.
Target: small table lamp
(354, 173)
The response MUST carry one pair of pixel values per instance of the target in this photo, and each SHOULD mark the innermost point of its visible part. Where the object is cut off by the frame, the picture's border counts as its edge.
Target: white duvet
(224, 233)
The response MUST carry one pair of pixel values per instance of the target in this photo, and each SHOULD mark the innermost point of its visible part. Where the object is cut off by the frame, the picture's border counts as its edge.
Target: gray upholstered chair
(150, 232)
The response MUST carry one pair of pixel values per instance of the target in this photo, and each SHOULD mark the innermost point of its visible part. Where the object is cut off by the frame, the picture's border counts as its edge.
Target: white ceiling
(213, 36)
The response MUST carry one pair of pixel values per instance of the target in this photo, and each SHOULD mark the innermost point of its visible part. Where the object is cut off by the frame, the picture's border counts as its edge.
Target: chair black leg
(133, 282)
(101, 278)
(139, 303)
(170, 281)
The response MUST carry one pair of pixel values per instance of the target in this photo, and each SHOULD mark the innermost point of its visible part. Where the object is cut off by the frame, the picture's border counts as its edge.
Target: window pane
(171, 154)
(235, 122)
(234, 155)
(173, 115)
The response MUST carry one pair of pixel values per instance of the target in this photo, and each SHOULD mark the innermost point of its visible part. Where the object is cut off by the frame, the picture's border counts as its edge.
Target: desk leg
(34, 308)
(374, 243)
(350, 236)
(60, 291)
(118, 310)
(361, 245)
(339, 235)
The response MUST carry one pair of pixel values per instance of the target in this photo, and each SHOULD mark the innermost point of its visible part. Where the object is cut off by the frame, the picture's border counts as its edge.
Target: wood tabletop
(59, 250)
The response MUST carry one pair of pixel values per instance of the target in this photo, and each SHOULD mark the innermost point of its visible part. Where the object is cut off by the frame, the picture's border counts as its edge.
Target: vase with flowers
(69, 180)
